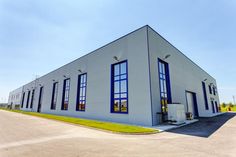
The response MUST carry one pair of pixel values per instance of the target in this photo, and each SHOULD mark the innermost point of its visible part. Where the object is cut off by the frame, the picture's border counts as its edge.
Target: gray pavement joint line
(35, 141)
(66, 136)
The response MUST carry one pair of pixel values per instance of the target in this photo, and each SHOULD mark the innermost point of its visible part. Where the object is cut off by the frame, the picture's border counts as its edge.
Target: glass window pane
(81, 92)
(81, 79)
(163, 68)
(160, 67)
(117, 87)
(84, 91)
(82, 105)
(161, 86)
(116, 106)
(164, 84)
(161, 76)
(56, 88)
(123, 76)
(67, 82)
(116, 69)
(123, 68)
(124, 105)
(66, 94)
(85, 78)
(124, 95)
(117, 96)
(123, 86)
(162, 95)
(117, 78)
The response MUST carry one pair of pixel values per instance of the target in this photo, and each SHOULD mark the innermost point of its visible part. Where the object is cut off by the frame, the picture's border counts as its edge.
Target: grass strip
(108, 126)
(228, 108)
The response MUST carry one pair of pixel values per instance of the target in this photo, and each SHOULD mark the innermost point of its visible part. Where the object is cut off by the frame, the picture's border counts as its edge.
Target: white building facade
(14, 99)
(130, 80)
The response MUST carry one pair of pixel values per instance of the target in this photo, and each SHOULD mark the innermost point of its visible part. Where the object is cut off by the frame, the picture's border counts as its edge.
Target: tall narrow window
(81, 92)
(65, 96)
(214, 90)
(23, 99)
(213, 106)
(32, 99)
(54, 96)
(165, 92)
(119, 87)
(216, 105)
(28, 98)
(40, 99)
(205, 95)
(210, 89)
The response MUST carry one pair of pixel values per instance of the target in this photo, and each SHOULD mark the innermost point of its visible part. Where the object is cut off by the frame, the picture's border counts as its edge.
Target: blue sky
(37, 37)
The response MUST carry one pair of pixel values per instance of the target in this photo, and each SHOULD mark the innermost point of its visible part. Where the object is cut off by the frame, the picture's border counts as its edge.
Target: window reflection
(81, 96)
(164, 88)
(119, 90)
(66, 89)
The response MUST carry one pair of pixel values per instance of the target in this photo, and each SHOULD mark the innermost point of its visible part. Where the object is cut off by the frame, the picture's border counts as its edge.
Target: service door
(192, 103)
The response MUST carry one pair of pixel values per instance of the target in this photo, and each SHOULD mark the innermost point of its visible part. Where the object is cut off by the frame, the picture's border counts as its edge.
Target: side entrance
(191, 103)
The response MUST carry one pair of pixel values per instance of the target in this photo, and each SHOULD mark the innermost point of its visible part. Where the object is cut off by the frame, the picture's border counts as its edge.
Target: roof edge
(180, 52)
(145, 26)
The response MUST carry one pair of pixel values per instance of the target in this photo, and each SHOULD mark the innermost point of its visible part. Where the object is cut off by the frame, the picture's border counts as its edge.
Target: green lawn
(109, 126)
(227, 108)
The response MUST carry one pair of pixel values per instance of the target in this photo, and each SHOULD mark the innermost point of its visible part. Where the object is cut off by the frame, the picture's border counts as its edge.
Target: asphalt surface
(27, 136)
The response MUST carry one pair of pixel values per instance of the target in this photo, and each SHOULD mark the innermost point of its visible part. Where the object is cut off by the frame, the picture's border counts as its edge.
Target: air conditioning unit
(176, 114)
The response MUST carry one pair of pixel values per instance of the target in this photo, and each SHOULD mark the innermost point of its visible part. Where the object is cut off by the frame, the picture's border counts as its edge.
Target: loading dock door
(192, 103)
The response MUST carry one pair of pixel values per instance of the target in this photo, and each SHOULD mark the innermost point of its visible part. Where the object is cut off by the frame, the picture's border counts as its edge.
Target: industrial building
(133, 80)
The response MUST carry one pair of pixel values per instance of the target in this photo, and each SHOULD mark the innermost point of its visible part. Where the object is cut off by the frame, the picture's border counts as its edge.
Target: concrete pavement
(27, 136)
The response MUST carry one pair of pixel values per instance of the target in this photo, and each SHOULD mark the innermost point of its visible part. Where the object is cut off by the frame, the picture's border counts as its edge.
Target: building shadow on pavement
(205, 127)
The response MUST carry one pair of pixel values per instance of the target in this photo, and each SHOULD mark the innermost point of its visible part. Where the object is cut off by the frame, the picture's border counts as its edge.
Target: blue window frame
(214, 90)
(81, 92)
(54, 96)
(23, 99)
(216, 105)
(28, 98)
(40, 98)
(210, 89)
(213, 106)
(32, 99)
(65, 96)
(119, 87)
(164, 82)
(205, 95)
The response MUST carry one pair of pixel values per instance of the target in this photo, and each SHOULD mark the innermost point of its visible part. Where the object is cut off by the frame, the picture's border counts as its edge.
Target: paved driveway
(27, 136)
